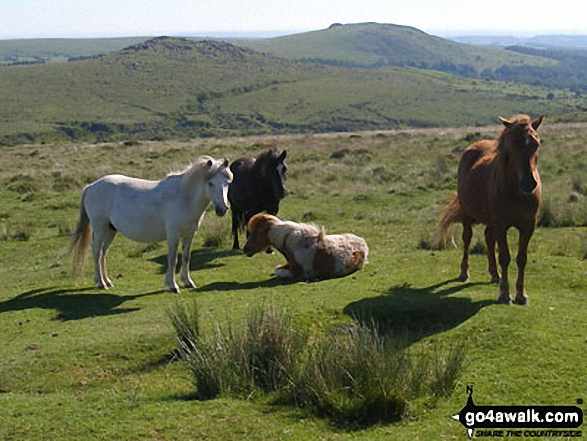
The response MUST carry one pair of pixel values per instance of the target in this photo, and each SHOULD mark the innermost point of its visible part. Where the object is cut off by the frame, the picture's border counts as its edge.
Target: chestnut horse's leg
(504, 261)
(467, 235)
(492, 265)
(521, 259)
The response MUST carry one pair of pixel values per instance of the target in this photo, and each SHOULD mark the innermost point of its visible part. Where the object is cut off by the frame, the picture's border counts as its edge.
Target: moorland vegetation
(84, 363)
(365, 77)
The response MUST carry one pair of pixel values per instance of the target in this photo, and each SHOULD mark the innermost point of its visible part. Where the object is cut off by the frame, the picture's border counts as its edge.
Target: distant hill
(372, 45)
(39, 50)
(540, 41)
(180, 88)
(376, 45)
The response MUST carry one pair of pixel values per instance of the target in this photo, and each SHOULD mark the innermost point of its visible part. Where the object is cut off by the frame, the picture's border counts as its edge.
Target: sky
(111, 18)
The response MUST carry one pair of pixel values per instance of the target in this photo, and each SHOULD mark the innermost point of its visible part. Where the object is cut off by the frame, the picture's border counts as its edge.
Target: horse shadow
(238, 286)
(72, 304)
(415, 313)
(199, 259)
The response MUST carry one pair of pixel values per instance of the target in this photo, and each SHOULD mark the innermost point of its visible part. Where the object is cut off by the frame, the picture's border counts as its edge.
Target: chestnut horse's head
(519, 143)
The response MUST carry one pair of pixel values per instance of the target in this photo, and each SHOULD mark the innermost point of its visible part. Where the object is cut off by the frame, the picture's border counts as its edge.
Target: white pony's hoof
(189, 284)
(173, 289)
(103, 284)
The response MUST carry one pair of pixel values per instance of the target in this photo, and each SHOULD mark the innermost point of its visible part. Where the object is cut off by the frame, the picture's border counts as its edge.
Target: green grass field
(78, 363)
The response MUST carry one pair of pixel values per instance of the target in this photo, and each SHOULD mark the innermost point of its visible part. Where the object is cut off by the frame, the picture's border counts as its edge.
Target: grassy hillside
(78, 363)
(373, 44)
(177, 88)
(60, 49)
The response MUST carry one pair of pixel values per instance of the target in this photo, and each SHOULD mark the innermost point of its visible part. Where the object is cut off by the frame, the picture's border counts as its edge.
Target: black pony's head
(271, 169)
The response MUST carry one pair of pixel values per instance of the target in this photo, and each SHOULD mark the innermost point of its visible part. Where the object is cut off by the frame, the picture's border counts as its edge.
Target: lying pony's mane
(290, 234)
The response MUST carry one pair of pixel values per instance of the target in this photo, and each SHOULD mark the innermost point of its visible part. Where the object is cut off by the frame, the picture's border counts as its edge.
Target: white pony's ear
(209, 163)
(225, 163)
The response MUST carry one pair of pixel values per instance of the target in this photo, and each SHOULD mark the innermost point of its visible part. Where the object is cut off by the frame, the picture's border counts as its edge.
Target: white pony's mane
(291, 234)
(199, 169)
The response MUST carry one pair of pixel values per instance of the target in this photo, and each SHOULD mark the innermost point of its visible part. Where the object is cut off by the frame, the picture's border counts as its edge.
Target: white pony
(150, 211)
(309, 251)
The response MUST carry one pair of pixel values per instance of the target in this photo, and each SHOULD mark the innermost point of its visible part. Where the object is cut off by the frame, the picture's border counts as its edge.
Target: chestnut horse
(499, 187)
(258, 186)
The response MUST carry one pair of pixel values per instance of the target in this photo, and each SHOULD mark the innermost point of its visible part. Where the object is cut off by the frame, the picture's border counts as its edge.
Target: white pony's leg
(186, 251)
(108, 238)
(172, 244)
(98, 253)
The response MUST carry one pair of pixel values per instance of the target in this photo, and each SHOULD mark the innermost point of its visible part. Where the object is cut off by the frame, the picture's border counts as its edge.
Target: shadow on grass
(205, 259)
(237, 286)
(200, 259)
(415, 313)
(72, 304)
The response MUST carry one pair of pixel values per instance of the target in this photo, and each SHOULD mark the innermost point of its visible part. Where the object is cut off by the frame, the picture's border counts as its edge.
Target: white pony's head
(217, 185)
(216, 177)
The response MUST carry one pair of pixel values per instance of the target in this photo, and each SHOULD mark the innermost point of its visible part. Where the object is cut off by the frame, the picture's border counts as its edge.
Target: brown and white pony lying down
(309, 251)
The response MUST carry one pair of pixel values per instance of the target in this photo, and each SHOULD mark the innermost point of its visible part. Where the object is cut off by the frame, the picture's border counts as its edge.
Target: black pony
(257, 186)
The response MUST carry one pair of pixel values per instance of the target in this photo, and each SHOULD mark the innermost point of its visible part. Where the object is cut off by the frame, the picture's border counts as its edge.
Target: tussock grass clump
(215, 234)
(23, 184)
(479, 248)
(16, 233)
(185, 320)
(579, 185)
(430, 240)
(583, 249)
(359, 376)
(353, 375)
(261, 355)
(62, 182)
(270, 347)
(557, 214)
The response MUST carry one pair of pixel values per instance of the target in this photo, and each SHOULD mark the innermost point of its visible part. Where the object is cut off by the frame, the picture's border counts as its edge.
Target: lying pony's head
(258, 229)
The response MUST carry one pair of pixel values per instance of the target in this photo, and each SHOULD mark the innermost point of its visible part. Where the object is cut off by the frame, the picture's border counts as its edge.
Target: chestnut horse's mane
(511, 124)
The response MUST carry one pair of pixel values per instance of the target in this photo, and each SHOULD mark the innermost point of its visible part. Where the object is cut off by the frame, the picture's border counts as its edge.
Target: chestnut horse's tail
(81, 238)
(453, 214)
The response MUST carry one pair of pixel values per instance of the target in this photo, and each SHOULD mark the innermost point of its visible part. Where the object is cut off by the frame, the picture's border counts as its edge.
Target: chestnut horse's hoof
(504, 299)
(463, 278)
(523, 301)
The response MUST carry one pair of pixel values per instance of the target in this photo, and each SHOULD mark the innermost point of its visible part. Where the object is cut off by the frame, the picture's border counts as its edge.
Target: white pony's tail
(81, 238)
